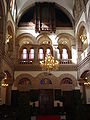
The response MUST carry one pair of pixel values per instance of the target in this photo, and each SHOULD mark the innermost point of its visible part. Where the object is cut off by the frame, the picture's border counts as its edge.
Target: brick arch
(21, 76)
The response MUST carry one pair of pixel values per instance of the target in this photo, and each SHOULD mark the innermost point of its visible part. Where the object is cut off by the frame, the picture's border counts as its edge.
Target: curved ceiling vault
(22, 5)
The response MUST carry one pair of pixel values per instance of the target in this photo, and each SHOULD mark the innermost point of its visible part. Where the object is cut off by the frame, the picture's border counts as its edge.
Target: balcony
(34, 65)
(28, 61)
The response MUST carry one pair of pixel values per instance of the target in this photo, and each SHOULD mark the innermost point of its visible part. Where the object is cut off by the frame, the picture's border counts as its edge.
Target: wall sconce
(4, 83)
(83, 37)
(9, 37)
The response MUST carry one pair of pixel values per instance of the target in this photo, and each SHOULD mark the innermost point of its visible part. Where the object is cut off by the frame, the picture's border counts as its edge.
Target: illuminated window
(48, 52)
(58, 54)
(64, 54)
(24, 54)
(41, 55)
(31, 54)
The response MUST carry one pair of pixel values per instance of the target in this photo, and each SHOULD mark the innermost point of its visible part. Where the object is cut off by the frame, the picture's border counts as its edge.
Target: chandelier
(4, 83)
(49, 63)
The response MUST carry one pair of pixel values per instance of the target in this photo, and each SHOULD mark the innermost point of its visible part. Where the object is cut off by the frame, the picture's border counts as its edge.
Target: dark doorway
(46, 101)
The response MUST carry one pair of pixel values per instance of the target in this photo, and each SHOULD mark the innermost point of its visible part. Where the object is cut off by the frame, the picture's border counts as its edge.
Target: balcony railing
(28, 61)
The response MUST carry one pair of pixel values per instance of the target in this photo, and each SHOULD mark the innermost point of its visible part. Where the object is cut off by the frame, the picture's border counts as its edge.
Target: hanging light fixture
(49, 63)
(4, 81)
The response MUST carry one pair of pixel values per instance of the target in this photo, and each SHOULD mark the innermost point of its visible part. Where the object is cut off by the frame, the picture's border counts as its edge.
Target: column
(36, 54)
(8, 94)
(82, 90)
(1, 77)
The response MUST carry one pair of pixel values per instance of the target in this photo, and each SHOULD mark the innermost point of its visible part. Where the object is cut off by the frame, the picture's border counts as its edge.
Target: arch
(67, 35)
(49, 76)
(45, 81)
(81, 28)
(31, 3)
(40, 39)
(66, 75)
(22, 76)
(10, 37)
(28, 35)
(81, 24)
(9, 23)
(46, 75)
(67, 82)
(84, 74)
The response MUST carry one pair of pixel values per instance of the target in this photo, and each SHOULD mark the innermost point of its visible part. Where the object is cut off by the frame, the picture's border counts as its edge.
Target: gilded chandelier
(49, 63)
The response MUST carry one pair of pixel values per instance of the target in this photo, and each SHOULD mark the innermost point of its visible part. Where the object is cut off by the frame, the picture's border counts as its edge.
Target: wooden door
(46, 101)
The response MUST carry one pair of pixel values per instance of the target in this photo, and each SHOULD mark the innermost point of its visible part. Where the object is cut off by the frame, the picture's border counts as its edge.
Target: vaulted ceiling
(22, 5)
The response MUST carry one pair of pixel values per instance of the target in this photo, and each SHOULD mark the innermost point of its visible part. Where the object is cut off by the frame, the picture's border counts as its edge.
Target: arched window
(45, 81)
(24, 54)
(24, 82)
(64, 54)
(66, 81)
(48, 51)
(58, 54)
(31, 54)
(41, 55)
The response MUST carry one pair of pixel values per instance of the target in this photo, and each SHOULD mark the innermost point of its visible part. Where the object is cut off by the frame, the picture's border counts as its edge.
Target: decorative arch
(46, 76)
(67, 82)
(10, 36)
(67, 35)
(80, 30)
(71, 77)
(9, 23)
(42, 38)
(22, 76)
(84, 74)
(81, 24)
(24, 35)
